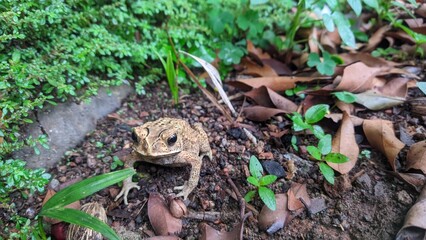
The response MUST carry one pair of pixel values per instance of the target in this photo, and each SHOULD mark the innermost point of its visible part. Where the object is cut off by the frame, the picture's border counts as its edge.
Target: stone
(404, 197)
(66, 125)
(274, 168)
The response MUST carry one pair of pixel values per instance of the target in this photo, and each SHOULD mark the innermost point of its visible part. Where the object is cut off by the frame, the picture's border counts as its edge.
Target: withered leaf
(344, 142)
(268, 98)
(376, 38)
(255, 69)
(416, 157)
(295, 192)
(260, 114)
(357, 77)
(160, 217)
(277, 84)
(336, 117)
(415, 221)
(376, 101)
(272, 221)
(381, 136)
(366, 58)
(209, 233)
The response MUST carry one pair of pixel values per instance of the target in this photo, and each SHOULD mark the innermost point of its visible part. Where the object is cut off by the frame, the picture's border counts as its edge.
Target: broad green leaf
(218, 20)
(328, 172)
(85, 188)
(373, 4)
(268, 197)
(268, 179)
(313, 59)
(346, 97)
(256, 169)
(253, 181)
(314, 152)
(298, 123)
(356, 5)
(332, 3)
(246, 19)
(336, 158)
(344, 28)
(82, 219)
(422, 86)
(250, 195)
(257, 2)
(230, 54)
(324, 144)
(294, 143)
(316, 113)
(328, 22)
(318, 131)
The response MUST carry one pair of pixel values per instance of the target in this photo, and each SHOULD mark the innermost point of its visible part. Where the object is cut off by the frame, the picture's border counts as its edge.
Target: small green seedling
(116, 162)
(261, 182)
(322, 152)
(325, 66)
(345, 96)
(171, 74)
(296, 90)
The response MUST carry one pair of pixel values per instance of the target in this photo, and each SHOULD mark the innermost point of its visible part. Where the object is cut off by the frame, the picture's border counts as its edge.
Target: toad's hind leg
(205, 150)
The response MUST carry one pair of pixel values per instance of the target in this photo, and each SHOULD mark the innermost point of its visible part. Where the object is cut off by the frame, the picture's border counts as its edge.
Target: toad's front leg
(195, 162)
(128, 184)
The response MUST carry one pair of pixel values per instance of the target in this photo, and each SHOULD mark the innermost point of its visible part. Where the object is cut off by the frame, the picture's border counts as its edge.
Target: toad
(169, 142)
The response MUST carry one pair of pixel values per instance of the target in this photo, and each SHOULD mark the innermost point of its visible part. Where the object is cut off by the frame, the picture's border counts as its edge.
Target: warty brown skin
(169, 142)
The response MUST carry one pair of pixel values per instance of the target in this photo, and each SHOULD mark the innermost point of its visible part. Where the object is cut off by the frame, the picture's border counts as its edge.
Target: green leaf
(268, 197)
(328, 172)
(324, 144)
(253, 181)
(82, 219)
(250, 195)
(298, 123)
(346, 97)
(316, 113)
(256, 169)
(318, 131)
(344, 28)
(230, 54)
(356, 6)
(326, 66)
(373, 4)
(328, 22)
(257, 2)
(332, 3)
(313, 59)
(85, 188)
(422, 86)
(336, 158)
(314, 152)
(268, 179)
(246, 19)
(294, 142)
(219, 19)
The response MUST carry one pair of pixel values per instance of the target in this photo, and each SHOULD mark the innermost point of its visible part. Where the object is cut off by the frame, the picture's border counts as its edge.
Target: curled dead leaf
(357, 78)
(209, 233)
(344, 142)
(367, 59)
(376, 101)
(381, 136)
(277, 84)
(415, 221)
(416, 157)
(337, 117)
(160, 217)
(255, 69)
(376, 38)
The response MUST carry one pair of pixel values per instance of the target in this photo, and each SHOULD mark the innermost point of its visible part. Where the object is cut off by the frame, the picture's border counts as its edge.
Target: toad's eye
(172, 140)
(134, 136)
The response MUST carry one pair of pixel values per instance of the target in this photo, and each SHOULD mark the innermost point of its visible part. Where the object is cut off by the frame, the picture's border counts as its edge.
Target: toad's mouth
(158, 154)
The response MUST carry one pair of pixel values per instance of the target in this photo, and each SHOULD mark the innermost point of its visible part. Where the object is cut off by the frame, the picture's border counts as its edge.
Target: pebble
(54, 184)
(91, 162)
(30, 213)
(365, 181)
(237, 133)
(274, 168)
(404, 197)
(379, 189)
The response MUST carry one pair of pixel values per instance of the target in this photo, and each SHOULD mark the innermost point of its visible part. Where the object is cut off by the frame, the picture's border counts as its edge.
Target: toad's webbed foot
(127, 186)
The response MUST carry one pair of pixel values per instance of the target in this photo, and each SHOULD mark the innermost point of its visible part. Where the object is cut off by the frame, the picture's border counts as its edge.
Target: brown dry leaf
(397, 87)
(279, 67)
(209, 233)
(357, 77)
(416, 180)
(75, 205)
(313, 40)
(160, 217)
(416, 157)
(329, 40)
(252, 50)
(366, 58)
(345, 107)
(277, 84)
(376, 38)
(336, 117)
(268, 98)
(294, 194)
(421, 11)
(163, 238)
(272, 221)
(254, 69)
(260, 114)
(376, 101)
(381, 136)
(415, 221)
(344, 142)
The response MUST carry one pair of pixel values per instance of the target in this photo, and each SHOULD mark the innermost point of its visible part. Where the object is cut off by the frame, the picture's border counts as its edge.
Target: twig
(204, 216)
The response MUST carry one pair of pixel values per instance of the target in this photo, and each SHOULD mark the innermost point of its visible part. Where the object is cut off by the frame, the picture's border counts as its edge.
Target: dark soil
(368, 203)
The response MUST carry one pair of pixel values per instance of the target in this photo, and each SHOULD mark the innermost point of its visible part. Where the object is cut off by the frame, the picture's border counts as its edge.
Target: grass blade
(85, 188)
